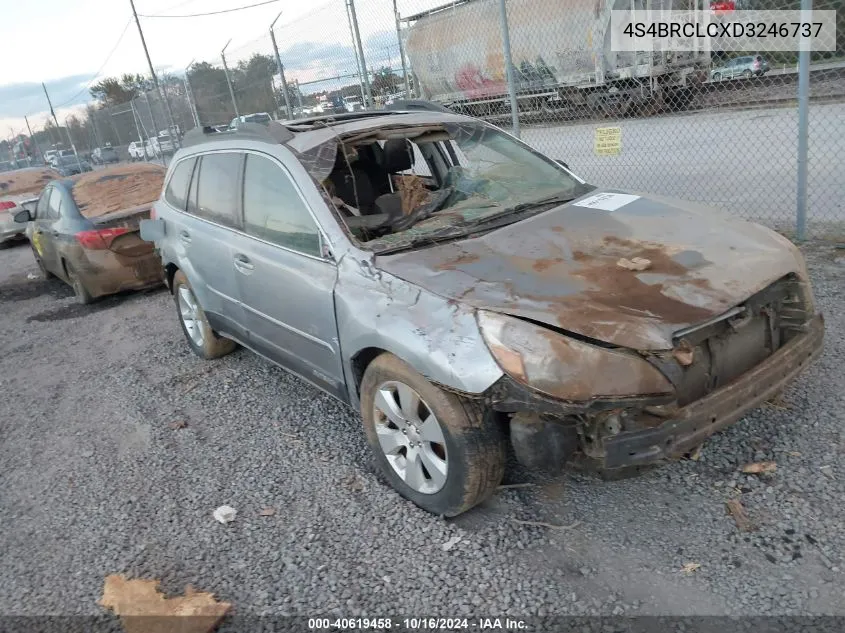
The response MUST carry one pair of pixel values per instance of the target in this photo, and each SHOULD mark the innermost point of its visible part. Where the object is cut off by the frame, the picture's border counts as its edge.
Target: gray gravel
(95, 480)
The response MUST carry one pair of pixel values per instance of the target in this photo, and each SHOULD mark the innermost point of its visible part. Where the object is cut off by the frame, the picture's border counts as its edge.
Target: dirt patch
(125, 187)
(26, 181)
(73, 311)
(22, 290)
(661, 262)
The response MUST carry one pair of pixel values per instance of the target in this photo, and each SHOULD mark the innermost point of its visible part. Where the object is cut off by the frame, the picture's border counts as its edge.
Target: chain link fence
(716, 126)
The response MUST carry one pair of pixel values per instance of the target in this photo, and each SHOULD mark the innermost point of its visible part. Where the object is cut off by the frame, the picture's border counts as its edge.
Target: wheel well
(361, 361)
(170, 272)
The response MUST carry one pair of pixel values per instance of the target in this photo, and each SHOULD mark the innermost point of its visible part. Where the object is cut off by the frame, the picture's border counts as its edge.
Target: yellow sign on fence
(608, 141)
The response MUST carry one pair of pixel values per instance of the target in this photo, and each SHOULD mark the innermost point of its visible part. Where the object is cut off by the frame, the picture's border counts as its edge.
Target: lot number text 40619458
(416, 624)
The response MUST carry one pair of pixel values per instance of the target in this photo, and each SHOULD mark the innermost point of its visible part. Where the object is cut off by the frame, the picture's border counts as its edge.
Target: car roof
(303, 134)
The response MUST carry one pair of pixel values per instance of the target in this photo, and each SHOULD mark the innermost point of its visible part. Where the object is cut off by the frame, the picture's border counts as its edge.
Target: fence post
(506, 45)
(401, 51)
(803, 128)
(359, 47)
(298, 94)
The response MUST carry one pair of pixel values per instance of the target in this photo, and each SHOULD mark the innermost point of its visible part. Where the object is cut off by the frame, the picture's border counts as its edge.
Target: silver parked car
(741, 67)
(462, 291)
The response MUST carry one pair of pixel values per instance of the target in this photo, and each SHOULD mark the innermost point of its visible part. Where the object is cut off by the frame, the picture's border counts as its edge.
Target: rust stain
(542, 264)
(621, 289)
(461, 260)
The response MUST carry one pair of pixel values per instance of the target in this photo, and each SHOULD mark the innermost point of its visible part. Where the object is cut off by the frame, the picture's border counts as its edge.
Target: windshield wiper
(429, 239)
(517, 212)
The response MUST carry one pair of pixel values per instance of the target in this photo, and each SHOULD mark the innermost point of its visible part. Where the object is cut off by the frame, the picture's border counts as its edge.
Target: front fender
(438, 338)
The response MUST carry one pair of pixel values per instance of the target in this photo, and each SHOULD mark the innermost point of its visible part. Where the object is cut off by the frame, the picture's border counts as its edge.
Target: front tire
(444, 452)
(204, 342)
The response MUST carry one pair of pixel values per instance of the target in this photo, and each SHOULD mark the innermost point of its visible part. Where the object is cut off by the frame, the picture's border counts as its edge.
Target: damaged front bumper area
(630, 432)
(690, 425)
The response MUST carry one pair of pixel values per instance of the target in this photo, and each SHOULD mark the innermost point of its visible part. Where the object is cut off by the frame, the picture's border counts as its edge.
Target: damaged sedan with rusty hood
(481, 294)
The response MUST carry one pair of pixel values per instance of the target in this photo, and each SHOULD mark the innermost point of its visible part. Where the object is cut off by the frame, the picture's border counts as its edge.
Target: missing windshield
(396, 186)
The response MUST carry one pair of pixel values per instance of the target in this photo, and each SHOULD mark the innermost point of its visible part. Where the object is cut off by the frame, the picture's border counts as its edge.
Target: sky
(69, 45)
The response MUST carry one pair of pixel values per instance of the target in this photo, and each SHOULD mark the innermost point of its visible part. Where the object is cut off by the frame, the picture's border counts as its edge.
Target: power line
(108, 58)
(199, 15)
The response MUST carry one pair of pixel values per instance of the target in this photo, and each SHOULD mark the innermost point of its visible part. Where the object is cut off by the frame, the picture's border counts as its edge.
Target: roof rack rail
(417, 104)
(272, 132)
(328, 119)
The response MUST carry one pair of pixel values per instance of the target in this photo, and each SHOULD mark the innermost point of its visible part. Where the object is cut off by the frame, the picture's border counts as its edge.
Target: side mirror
(561, 163)
(22, 217)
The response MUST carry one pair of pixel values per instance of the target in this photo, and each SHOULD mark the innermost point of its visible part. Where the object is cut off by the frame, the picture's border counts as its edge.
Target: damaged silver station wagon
(463, 291)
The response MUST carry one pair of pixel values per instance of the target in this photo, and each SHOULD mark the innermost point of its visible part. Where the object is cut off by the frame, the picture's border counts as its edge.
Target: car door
(286, 284)
(204, 234)
(44, 230)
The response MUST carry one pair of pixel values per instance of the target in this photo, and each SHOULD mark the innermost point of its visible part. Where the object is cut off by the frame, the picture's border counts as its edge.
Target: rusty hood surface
(562, 267)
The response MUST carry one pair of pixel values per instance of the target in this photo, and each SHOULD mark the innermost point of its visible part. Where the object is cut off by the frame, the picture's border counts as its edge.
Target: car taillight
(101, 239)
(756, 63)
(5, 205)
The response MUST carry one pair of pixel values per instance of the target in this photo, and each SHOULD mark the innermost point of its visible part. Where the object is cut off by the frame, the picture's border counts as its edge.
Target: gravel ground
(118, 443)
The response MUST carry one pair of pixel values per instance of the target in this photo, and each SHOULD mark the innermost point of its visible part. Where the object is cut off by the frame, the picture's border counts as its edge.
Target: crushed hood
(561, 267)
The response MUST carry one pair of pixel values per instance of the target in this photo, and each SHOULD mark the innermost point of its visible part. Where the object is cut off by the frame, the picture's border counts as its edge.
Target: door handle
(183, 235)
(243, 264)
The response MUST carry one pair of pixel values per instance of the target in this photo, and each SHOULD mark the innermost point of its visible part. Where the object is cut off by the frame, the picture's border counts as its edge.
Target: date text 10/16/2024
(416, 624)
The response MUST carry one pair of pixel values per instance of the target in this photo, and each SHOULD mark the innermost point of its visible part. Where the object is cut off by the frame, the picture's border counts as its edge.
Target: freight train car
(561, 52)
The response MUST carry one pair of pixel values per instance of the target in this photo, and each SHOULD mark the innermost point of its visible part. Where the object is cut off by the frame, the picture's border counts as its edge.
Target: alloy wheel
(410, 437)
(190, 314)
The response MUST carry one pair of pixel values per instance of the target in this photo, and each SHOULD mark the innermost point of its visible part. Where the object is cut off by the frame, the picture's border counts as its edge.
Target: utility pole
(401, 51)
(162, 93)
(281, 67)
(229, 79)
(50, 103)
(34, 142)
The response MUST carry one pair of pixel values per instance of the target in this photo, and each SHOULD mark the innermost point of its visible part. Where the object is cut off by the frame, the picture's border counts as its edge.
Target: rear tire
(444, 452)
(747, 74)
(717, 76)
(79, 290)
(203, 341)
